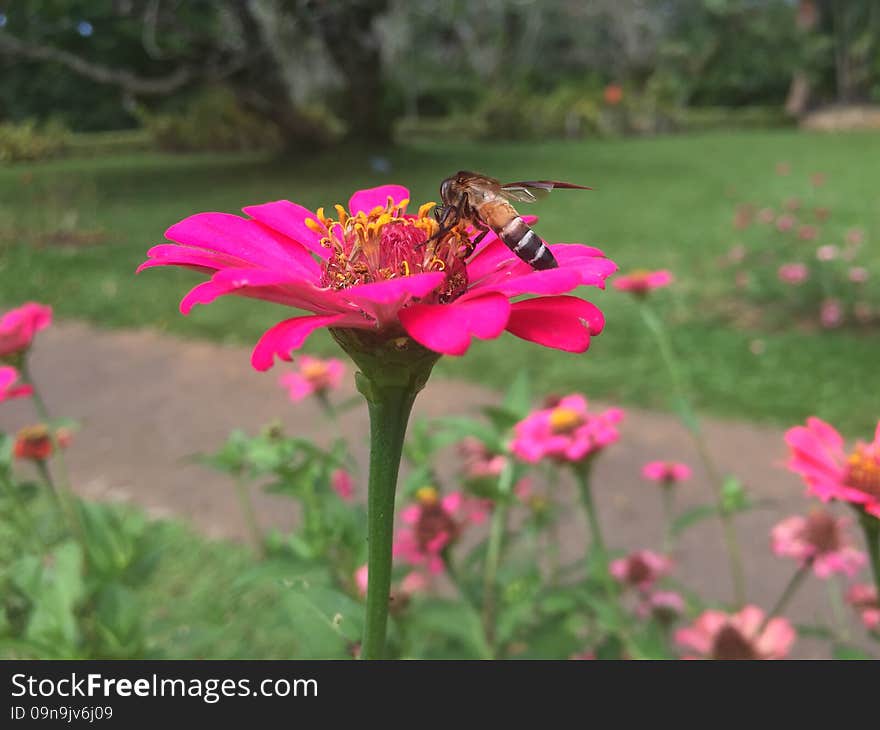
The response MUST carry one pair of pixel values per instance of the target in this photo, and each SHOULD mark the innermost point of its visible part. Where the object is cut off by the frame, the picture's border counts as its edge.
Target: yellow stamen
(425, 209)
(313, 225)
(564, 419)
(405, 265)
(427, 495)
(340, 211)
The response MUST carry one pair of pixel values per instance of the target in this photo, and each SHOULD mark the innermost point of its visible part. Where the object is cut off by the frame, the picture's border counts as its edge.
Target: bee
(484, 203)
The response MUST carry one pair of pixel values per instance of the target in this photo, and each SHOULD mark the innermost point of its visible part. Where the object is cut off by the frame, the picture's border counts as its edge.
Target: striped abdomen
(523, 241)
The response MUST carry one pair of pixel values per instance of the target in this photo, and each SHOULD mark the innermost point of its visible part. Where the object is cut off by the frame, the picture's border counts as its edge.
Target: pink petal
(365, 200)
(289, 219)
(448, 328)
(383, 299)
(287, 336)
(172, 254)
(562, 322)
(245, 239)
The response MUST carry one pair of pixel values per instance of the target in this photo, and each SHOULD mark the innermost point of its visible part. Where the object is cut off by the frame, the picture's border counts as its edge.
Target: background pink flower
(369, 269)
(666, 472)
(831, 313)
(793, 273)
(858, 274)
(477, 461)
(663, 606)
(432, 524)
(342, 484)
(642, 282)
(817, 455)
(18, 327)
(863, 598)
(8, 385)
(313, 375)
(717, 635)
(640, 569)
(821, 539)
(568, 431)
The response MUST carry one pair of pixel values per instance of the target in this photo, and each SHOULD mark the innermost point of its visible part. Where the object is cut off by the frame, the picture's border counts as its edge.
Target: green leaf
(691, 517)
(436, 623)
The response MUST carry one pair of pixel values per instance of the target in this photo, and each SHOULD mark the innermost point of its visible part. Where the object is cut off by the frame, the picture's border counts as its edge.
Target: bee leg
(483, 231)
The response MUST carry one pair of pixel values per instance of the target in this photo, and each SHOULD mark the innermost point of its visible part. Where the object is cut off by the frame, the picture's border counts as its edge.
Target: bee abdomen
(523, 241)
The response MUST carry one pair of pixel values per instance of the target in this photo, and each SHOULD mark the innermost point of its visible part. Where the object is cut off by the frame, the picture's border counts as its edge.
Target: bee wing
(528, 191)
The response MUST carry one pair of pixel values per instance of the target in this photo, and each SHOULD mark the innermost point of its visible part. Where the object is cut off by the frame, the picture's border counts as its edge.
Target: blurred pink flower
(314, 376)
(433, 524)
(863, 312)
(8, 384)
(818, 538)
(863, 598)
(585, 655)
(663, 606)
(666, 472)
(640, 569)
(18, 327)
(342, 484)
(368, 268)
(743, 216)
(783, 168)
(828, 252)
(718, 635)
(794, 274)
(360, 579)
(822, 214)
(817, 455)
(766, 215)
(640, 282)
(807, 233)
(831, 313)
(35, 443)
(477, 461)
(792, 204)
(855, 236)
(785, 223)
(565, 432)
(522, 490)
(818, 179)
(736, 253)
(858, 274)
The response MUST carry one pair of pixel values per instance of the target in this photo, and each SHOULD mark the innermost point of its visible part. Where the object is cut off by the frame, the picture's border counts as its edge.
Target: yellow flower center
(32, 434)
(863, 470)
(385, 243)
(564, 420)
(314, 370)
(427, 495)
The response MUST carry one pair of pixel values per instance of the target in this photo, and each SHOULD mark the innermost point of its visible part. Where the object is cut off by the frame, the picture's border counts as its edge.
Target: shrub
(29, 141)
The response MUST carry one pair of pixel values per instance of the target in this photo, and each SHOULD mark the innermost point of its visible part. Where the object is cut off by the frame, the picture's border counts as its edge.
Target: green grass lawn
(658, 203)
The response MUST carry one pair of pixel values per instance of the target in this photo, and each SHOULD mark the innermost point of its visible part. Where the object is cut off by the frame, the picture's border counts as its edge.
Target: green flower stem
(497, 530)
(734, 554)
(871, 528)
(668, 497)
(389, 414)
(61, 486)
(250, 515)
(841, 626)
(788, 593)
(392, 372)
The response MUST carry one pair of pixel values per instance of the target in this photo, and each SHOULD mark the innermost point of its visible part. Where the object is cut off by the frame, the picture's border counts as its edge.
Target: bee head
(446, 188)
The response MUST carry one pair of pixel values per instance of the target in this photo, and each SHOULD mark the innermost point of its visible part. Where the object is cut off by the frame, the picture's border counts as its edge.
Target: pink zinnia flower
(818, 179)
(783, 168)
(34, 443)
(640, 569)
(736, 253)
(641, 282)
(828, 252)
(8, 388)
(342, 484)
(433, 524)
(818, 538)
(793, 273)
(313, 376)
(785, 223)
(858, 274)
(18, 327)
(831, 313)
(360, 579)
(808, 233)
(792, 204)
(567, 432)
(663, 606)
(477, 461)
(817, 454)
(718, 635)
(863, 598)
(666, 472)
(374, 268)
(855, 236)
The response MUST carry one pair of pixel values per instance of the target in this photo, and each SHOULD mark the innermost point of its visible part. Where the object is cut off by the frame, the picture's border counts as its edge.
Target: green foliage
(211, 122)
(29, 141)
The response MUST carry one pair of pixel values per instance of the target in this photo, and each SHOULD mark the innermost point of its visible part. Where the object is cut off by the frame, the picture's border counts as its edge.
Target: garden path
(146, 401)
